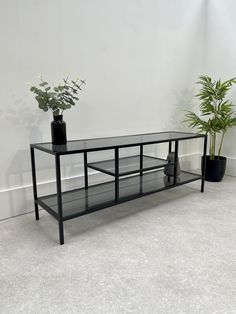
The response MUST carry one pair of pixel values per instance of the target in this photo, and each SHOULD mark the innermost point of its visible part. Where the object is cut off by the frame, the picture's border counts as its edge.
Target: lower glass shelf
(80, 201)
(128, 165)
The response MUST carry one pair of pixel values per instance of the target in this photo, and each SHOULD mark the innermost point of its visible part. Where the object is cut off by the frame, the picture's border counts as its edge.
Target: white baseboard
(18, 201)
(231, 166)
(189, 161)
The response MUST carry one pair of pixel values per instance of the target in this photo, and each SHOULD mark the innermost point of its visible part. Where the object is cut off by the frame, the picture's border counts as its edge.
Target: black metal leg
(141, 184)
(141, 160)
(176, 160)
(85, 170)
(204, 164)
(34, 183)
(169, 151)
(116, 175)
(86, 199)
(59, 198)
(61, 232)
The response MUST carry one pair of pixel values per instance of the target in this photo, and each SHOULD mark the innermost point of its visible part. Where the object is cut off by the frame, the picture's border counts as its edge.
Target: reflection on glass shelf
(128, 165)
(77, 202)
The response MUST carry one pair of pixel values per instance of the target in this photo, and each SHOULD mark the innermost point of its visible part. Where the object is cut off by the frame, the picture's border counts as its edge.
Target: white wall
(140, 59)
(221, 59)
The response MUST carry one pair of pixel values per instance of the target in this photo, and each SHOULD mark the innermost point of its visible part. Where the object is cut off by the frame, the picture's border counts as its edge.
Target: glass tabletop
(94, 144)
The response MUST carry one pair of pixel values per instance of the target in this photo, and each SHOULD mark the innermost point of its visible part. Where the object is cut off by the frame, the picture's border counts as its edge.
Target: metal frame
(59, 215)
(176, 160)
(204, 164)
(59, 198)
(116, 174)
(141, 160)
(85, 171)
(34, 179)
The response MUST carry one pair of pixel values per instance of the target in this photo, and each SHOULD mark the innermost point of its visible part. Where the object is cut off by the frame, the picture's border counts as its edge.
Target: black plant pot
(215, 169)
(58, 130)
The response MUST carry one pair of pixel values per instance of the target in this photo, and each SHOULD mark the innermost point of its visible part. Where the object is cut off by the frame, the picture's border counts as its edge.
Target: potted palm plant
(57, 100)
(217, 116)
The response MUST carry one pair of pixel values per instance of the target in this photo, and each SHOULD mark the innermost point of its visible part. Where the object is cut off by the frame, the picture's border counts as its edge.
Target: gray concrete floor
(171, 252)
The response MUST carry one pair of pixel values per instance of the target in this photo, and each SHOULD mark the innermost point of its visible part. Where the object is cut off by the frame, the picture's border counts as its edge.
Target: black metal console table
(147, 174)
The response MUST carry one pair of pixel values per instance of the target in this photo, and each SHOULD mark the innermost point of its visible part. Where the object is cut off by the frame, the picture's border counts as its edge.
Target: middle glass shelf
(128, 165)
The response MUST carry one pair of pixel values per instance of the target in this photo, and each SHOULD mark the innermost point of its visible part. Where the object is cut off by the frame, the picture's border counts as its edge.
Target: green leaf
(43, 84)
(60, 88)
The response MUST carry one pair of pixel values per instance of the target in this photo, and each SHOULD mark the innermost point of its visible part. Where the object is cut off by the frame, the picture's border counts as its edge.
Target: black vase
(215, 169)
(58, 130)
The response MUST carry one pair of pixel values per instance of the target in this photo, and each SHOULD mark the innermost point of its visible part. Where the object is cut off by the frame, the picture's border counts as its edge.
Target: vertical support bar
(34, 183)
(169, 151)
(85, 171)
(204, 164)
(141, 160)
(116, 174)
(141, 184)
(176, 160)
(59, 198)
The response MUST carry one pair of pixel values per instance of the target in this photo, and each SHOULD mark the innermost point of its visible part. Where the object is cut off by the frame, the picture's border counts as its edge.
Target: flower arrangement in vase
(57, 99)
